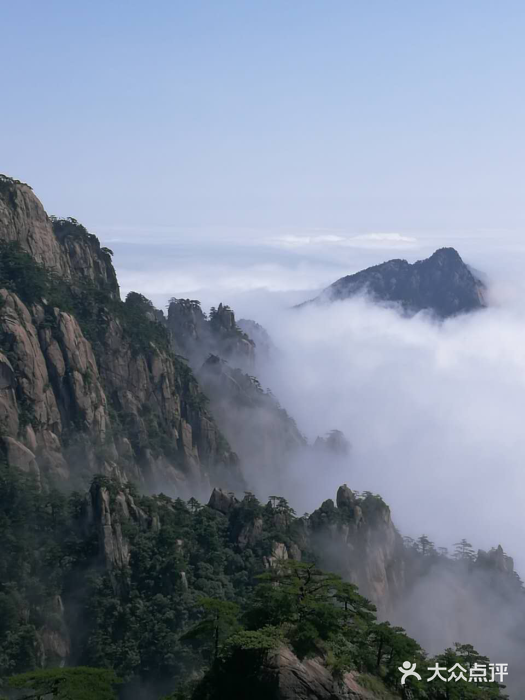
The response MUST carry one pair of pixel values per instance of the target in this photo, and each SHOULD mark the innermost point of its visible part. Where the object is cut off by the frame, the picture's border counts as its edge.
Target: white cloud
(434, 412)
(298, 241)
(227, 279)
(386, 241)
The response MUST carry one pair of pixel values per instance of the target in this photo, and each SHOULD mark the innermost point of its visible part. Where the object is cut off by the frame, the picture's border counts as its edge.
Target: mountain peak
(447, 254)
(442, 284)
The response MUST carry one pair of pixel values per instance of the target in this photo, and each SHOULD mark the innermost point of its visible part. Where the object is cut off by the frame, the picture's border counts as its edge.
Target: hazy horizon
(223, 149)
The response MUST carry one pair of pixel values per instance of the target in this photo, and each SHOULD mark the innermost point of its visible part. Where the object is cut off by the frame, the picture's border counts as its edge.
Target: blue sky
(231, 121)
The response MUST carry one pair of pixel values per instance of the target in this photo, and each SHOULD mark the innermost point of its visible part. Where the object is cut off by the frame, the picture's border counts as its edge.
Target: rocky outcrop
(495, 560)
(21, 457)
(358, 540)
(85, 258)
(221, 501)
(188, 326)
(106, 511)
(53, 637)
(355, 538)
(282, 552)
(88, 383)
(265, 348)
(24, 221)
(334, 442)
(442, 284)
(292, 679)
(264, 435)
(281, 675)
(197, 336)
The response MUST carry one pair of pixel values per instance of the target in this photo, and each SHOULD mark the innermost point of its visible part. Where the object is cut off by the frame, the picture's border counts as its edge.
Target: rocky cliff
(283, 676)
(263, 433)
(357, 539)
(354, 537)
(89, 382)
(223, 356)
(265, 348)
(196, 335)
(115, 579)
(442, 284)
(288, 678)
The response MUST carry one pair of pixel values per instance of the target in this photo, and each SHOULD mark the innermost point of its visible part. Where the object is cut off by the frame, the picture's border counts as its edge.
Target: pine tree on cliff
(464, 550)
(425, 546)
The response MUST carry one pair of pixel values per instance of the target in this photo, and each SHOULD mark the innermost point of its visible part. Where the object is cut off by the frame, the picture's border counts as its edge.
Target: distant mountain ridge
(442, 283)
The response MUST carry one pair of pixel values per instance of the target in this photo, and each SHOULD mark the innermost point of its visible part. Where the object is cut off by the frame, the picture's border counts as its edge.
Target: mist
(433, 411)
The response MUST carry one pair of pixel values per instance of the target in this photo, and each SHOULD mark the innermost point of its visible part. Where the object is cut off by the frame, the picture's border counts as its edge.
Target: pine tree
(425, 546)
(464, 550)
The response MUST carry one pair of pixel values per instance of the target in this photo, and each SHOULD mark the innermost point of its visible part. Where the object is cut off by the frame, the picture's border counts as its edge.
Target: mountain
(196, 335)
(223, 357)
(89, 382)
(265, 347)
(149, 585)
(442, 284)
(265, 436)
(105, 400)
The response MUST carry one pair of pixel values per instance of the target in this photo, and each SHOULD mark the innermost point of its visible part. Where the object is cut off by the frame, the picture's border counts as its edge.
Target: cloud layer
(434, 413)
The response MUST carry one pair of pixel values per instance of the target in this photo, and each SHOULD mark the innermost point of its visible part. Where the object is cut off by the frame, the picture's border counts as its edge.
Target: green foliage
(464, 550)
(142, 329)
(20, 273)
(466, 656)
(37, 546)
(220, 320)
(71, 227)
(190, 599)
(184, 583)
(318, 614)
(7, 183)
(92, 304)
(78, 683)
(219, 620)
(375, 685)
(425, 546)
(262, 640)
(296, 593)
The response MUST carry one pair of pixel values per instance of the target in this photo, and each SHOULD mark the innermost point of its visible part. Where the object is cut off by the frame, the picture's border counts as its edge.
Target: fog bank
(434, 412)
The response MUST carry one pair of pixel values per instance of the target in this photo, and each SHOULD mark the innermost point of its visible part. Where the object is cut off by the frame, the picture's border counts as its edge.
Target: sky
(254, 152)
(232, 146)
(366, 116)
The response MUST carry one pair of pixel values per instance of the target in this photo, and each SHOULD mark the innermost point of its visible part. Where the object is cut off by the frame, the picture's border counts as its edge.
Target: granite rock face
(358, 540)
(24, 221)
(292, 679)
(87, 383)
(196, 335)
(355, 538)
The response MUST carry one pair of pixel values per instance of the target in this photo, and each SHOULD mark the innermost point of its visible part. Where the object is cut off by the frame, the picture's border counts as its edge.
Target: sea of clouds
(434, 411)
